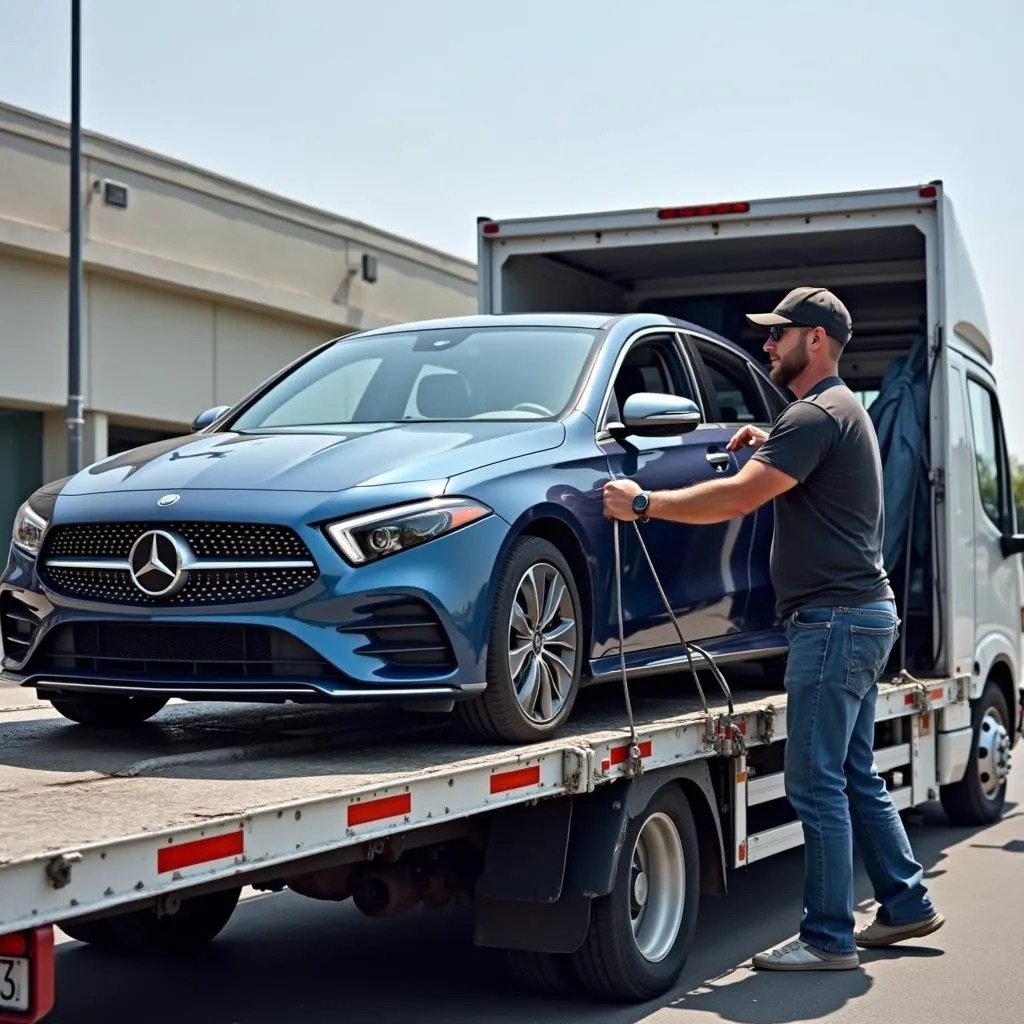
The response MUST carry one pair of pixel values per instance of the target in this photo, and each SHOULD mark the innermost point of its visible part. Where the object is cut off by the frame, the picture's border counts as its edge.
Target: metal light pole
(75, 399)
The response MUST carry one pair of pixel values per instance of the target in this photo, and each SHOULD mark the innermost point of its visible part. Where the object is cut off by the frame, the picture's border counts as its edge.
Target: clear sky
(419, 116)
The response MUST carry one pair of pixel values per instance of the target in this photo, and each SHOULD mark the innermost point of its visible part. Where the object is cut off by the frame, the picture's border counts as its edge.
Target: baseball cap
(810, 307)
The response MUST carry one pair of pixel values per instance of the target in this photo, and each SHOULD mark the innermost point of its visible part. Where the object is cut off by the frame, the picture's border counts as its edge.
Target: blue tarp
(898, 414)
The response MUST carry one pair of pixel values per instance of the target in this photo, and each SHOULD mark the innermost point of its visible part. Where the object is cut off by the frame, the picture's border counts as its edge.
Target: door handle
(720, 460)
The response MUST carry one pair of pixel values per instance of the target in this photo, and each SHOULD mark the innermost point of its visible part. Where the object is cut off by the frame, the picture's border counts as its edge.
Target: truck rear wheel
(549, 974)
(641, 933)
(110, 711)
(978, 798)
(535, 651)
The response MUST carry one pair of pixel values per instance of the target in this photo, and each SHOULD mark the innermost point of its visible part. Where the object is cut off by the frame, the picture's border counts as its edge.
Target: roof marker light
(703, 210)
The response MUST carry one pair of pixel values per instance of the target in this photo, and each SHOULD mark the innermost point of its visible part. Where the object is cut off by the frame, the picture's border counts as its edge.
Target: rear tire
(978, 798)
(549, 974)
(535, 649)
(641, 933)
(107, 711)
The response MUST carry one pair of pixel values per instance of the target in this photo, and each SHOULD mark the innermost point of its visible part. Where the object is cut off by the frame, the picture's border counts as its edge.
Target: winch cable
(688, 646)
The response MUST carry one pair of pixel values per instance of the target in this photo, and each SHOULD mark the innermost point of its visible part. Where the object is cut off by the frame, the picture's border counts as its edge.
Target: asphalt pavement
(287, 958)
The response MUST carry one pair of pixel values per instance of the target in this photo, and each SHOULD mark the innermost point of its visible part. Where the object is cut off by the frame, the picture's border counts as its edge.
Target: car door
(738, 394)
(686, 558)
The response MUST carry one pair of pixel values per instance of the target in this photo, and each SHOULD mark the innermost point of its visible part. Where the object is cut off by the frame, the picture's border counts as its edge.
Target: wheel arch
(997, 660)
(547, 909)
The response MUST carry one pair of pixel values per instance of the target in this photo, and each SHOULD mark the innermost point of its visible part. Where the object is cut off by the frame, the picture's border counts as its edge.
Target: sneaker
(798, 956)
(878, 933)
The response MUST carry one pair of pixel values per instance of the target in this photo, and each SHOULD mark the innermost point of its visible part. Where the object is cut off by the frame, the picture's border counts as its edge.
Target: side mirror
(650, 415)
(208, 416)
(1012, 544)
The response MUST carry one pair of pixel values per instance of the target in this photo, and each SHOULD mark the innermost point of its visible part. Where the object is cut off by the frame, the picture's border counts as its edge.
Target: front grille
(208, 540)
(224, 542)
(405, 634)
(210, 652)
(18, 625)
(209, 587)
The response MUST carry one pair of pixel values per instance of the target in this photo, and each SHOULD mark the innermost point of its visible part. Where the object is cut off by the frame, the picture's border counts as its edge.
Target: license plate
(14, 983)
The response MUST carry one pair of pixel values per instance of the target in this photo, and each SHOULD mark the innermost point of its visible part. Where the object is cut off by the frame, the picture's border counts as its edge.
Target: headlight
(29, 529)
(367, 538)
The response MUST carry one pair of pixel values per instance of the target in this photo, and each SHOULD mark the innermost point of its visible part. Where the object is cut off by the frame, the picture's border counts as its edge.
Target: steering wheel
(532, 407)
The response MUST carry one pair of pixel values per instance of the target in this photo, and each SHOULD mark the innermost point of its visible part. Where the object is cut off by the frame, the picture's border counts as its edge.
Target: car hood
(324, 460)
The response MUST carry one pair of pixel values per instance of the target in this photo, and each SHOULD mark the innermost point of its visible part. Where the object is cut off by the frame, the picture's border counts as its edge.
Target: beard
(791, 365)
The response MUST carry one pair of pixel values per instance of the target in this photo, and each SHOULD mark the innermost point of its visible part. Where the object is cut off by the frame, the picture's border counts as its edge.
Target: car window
(460, 373)
(739, 398)
(333, 398)
(651, 364)
(990, 460)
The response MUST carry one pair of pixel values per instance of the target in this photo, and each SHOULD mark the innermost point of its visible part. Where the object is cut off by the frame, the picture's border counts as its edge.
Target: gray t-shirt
(827, 548)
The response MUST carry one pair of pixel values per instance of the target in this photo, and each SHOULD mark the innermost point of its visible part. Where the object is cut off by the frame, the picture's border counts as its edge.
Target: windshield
(459, 374)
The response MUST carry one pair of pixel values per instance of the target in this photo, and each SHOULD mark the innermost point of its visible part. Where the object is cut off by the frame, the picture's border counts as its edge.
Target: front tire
(978, 798)
(535, 649)
(107, 711)
(641, 933)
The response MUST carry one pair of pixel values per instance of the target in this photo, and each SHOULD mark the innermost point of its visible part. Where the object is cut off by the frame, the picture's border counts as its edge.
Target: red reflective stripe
(200, 851)
(619, 755)
(377, 810)
(501, 782)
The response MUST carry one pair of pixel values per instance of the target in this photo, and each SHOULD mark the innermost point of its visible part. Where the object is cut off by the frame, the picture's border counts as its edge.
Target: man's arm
(713, 502)
(719, 500)
(800, 440)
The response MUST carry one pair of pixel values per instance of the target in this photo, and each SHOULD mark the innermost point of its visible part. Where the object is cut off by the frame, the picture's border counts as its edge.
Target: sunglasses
(775, 332)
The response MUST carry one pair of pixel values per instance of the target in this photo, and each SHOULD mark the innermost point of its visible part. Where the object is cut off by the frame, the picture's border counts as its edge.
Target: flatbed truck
(586, 857)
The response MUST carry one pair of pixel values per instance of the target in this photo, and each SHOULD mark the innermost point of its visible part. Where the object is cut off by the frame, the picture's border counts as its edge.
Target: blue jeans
(836, 656)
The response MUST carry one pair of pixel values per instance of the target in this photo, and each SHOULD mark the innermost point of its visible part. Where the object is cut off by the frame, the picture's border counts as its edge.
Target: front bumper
(410, 627)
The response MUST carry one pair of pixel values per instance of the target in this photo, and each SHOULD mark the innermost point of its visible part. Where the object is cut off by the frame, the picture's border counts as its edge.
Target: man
(820, 466)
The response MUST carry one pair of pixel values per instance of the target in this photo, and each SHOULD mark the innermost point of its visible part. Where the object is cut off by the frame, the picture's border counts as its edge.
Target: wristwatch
(640, 503)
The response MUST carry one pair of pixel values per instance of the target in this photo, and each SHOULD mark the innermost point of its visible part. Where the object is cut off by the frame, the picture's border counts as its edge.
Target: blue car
(410, 514)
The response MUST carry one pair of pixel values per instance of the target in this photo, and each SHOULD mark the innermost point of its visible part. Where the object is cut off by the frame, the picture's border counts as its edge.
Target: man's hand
(618, 499)
(747, 437)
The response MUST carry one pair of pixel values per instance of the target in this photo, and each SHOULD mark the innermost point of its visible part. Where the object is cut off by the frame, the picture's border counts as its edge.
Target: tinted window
(651, 364)
(989, 455)
(459, 374)
(739, 399)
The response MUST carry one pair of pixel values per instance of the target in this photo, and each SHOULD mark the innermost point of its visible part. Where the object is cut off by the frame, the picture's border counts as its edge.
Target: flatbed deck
(64, 786)
(206, 793)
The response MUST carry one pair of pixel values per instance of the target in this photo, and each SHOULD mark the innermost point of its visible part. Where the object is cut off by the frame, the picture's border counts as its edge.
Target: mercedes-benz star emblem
(168, 499)
(157, 563)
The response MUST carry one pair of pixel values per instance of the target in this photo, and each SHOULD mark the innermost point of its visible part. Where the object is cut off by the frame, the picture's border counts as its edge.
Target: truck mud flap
(545, 863)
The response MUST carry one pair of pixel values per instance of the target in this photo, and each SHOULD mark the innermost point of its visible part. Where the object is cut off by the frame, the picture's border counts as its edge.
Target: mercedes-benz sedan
(410, 514)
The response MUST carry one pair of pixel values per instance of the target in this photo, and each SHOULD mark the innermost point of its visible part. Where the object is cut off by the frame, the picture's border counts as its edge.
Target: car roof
(591, 321)
(585, 320)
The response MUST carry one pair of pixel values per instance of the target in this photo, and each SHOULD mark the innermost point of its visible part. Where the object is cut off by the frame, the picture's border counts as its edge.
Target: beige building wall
(194, 291)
